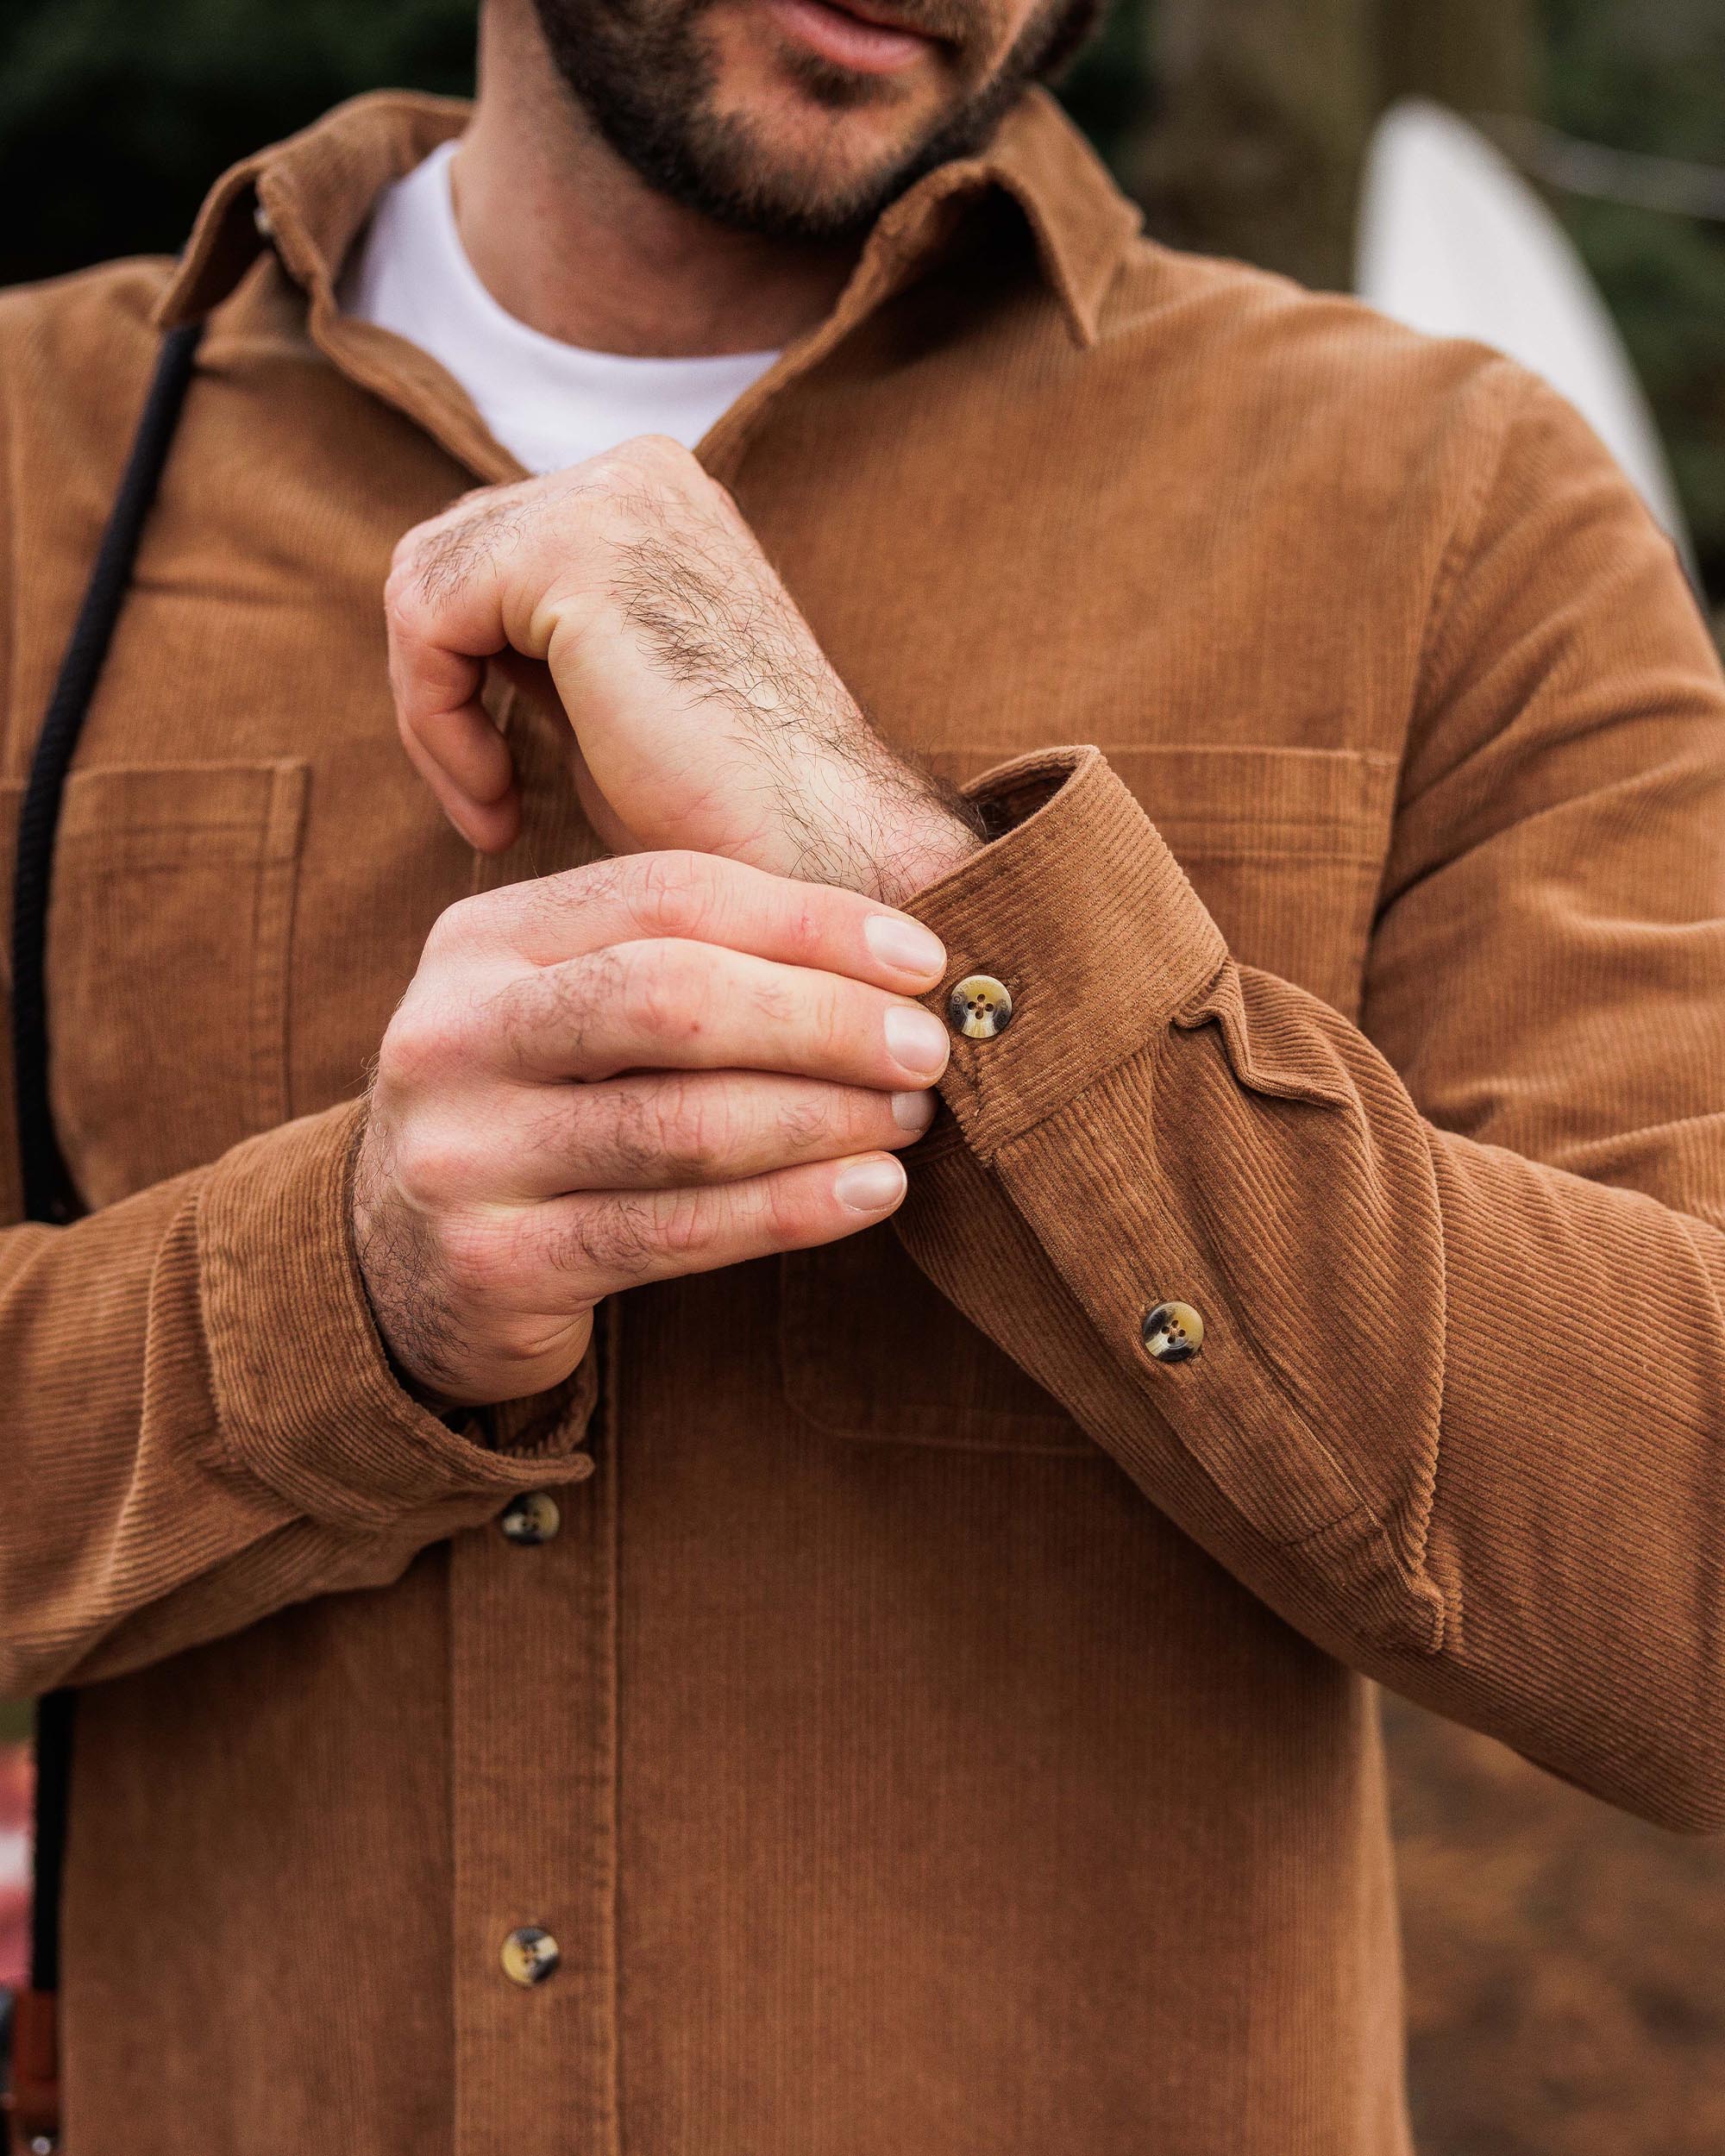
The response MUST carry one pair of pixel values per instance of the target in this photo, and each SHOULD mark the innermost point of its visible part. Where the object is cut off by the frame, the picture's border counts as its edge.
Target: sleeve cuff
(305, 1398)
(1079, 908)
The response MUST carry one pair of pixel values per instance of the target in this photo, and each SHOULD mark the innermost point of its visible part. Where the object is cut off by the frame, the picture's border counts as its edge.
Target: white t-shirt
(551, 404)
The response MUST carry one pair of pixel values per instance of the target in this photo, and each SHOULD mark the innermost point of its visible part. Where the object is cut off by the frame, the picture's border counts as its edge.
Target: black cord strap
(48, 1191)
(48, 1195)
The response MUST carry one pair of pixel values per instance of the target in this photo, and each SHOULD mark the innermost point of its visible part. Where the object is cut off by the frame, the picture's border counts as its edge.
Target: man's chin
(811, 175)
(735, 117)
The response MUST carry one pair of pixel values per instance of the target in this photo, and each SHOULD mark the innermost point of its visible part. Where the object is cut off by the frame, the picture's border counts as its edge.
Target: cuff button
(980, 1007)
(1173, 1332)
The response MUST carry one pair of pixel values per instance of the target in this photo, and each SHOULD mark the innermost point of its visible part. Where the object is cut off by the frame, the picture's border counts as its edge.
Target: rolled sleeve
(306, 1401)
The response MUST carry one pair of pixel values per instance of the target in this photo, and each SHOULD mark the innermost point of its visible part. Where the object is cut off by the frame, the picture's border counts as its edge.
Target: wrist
(924, 848)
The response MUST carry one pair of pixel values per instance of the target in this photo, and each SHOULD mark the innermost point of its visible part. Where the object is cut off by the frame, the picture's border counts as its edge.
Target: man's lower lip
(871, 48)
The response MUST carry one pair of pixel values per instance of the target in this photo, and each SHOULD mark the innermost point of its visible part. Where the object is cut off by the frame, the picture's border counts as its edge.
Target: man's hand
(704, 713)
(747, 1053)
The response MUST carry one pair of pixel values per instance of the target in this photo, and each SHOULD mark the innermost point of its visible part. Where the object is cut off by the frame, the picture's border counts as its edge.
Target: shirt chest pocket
(170, 934)
(1285, 846)
(872, 1352)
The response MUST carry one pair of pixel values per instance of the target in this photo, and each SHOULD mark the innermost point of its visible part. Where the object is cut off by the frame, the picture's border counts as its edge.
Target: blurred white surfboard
(1453, 240)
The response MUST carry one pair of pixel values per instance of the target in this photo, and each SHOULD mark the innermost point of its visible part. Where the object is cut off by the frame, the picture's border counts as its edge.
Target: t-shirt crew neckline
(550, 403)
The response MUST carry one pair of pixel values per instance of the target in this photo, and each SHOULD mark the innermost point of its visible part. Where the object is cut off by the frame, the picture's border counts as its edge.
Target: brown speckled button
(530, 1956)
(532, 1518)
(980, 1007)
(1173, 1332)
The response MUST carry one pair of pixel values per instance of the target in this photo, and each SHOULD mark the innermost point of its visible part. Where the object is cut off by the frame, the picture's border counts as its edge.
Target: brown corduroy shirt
(938, 1727)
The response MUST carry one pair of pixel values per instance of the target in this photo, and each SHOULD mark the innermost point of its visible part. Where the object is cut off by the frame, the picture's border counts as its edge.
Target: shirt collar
(309, 196)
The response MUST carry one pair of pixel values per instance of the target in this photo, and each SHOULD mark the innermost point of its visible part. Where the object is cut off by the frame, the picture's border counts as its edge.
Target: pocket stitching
(925, 1427)
(137, 844)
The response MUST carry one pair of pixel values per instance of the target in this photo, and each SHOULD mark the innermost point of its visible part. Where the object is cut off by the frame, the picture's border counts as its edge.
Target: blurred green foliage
(115, 117)
(1652, 77)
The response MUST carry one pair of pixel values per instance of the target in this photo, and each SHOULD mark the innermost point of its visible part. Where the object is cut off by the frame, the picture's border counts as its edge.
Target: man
(589, 1635)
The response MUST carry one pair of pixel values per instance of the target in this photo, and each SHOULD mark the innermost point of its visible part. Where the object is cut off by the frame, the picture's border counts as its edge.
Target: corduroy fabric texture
(938, 1729)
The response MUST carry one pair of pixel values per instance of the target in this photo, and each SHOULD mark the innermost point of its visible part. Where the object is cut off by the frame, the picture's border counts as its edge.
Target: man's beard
(640, 72)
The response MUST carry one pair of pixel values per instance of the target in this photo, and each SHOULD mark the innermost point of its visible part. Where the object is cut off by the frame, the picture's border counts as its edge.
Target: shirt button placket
(532, 1626)
(533, 1518)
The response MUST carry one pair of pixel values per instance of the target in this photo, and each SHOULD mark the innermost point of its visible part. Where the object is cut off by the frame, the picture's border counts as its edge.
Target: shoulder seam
(1464, 533)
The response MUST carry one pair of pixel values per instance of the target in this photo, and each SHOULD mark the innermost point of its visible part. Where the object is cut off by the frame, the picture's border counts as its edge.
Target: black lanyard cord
(49, 1192)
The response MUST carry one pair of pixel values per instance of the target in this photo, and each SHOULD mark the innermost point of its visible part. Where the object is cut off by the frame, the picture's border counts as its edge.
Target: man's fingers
(467, 588)
(671, 1004)
(700, 898)
(446, 613)
(600, 1243)
(669, 1131)
(489, 825)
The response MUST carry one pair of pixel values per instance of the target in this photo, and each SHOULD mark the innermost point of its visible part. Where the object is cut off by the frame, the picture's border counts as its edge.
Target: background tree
(1254, 144)
(1478, 56)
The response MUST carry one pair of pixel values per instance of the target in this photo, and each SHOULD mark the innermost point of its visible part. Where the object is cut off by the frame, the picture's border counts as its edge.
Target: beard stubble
(641, 73)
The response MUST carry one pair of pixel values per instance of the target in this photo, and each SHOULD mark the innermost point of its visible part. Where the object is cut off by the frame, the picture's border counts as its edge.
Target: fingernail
(912, 1110)
(898, 941)
(917, 1038)
(871, 1186)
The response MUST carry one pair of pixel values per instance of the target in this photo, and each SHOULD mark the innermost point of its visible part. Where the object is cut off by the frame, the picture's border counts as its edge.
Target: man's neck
(571, 240)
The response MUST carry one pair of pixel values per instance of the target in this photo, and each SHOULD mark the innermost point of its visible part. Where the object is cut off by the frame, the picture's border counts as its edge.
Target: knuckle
(804, 1126)
(777, 997)
(691, 1128)
(429, 1163)
(659, 992)
(421, 1042)
(563, 1001)
(402, 556)
(548, 904)
(829, 1015)
(786, 1212)
(456, 927)
(613, 476)
(614, 1237)
(805, 926)
(478, 1253)
(672, 892)
(688, 1227)
(406, 591)
(660, 457)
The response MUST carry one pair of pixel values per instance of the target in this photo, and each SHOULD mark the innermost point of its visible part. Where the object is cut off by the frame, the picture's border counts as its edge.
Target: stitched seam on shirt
(1413, 1575)
(1437, 1616)
(1463, 539)
(1422, 1521)
(1264, 1365)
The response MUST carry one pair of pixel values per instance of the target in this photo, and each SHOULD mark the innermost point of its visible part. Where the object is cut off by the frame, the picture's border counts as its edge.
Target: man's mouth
(866, 38)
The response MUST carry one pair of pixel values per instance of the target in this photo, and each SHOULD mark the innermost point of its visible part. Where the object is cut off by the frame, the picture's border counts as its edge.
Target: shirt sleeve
(1458, 1411)
(203, 1425)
